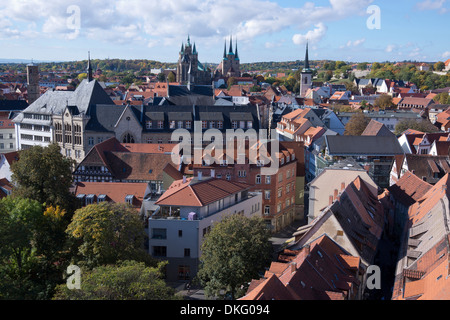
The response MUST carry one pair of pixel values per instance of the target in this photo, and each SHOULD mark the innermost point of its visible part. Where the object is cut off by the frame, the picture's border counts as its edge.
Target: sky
(265, 30)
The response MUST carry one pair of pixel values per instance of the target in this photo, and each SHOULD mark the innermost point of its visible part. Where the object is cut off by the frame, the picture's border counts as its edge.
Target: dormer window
(129, 199)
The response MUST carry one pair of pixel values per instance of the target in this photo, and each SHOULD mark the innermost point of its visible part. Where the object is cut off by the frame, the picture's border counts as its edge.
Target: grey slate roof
(52, 102)
(363, 145)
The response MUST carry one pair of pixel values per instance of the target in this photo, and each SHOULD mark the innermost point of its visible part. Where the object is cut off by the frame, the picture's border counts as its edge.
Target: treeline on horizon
(324, 70)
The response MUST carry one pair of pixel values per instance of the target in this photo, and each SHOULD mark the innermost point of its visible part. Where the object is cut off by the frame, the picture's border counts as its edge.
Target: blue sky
(266, 30)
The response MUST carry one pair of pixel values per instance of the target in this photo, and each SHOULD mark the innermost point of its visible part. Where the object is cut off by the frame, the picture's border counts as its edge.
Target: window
(148, 124)
(159, 233)
(101, 197)
(149, 140)
(267, 179)
(249, 124)
(279, 208)
(180, 124)
(280, 192)
(160, 124)
(188, 124)
(184, 272)
(129, 199)
(267, 210)
(90, 199)
(242, 173)
(91, 141)
(267, 194)
(258, 179)
(212, 124)
(172, 124)
(159, 251)
(180, 233)
(234, 124)
(219, 124)
(187, 252)
(204, 124)
(228, 177)
(280, 177)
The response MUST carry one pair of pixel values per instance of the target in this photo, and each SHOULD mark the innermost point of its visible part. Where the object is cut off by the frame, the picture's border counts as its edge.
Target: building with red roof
(185, 214)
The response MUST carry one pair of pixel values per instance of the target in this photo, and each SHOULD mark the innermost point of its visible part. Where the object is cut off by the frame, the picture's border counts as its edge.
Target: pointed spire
(231, 45)
(89, 68)
(236, 53)
(306, 57)
(182, 47)
(188, 41)
(195, 50)
(225, 49)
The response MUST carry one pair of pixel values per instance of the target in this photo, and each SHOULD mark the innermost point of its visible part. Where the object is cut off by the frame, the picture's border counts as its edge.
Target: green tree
(442, 98)
(356, 125)
(161, 77)
(106, 233)
(45, 175)
(233, 253)
(422, 126)
(20, 219)
(128, 280)
(439, 66)
(171, 77)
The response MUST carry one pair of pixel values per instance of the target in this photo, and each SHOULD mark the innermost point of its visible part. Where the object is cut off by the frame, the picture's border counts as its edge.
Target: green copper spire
(307, 59)
(237, 56)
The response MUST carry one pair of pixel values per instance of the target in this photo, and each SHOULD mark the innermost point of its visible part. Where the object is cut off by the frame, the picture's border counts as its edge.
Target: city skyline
(276, 30)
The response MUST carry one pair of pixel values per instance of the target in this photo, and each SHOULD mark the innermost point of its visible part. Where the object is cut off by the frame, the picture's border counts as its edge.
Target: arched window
(128, 138)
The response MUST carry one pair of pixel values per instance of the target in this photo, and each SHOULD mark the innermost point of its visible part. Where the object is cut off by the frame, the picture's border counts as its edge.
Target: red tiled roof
(115, 191)
(199, 193)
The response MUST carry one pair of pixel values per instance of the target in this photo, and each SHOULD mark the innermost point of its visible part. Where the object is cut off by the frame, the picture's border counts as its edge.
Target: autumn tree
(106, 233)
(383, 102)
(357, 124)
(233, 253)
(126, 280)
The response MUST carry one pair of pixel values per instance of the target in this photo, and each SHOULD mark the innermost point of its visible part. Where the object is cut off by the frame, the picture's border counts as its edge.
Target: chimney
(330, 202)
(336, 193)
(342, 186)
(307, 250)
(293, 267)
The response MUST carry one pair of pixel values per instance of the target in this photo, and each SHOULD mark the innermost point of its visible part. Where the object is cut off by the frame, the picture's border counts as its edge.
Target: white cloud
(446, 54)
(432, 5)
(390, 48)
(312, 36)
(172, 20)
(354, 43)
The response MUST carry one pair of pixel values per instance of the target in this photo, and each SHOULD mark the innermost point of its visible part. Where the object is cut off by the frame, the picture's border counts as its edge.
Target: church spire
(188, 41)
(237, 56)
(194, 50)
(225, 49)
(182, 47)
(306, 58)
(89, 68)
(231, 45)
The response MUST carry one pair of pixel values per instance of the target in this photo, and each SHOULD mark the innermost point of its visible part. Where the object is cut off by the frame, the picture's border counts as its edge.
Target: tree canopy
(108, 232)
(235, 251)
(422, 126)
(45, 175)
(126, 280)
